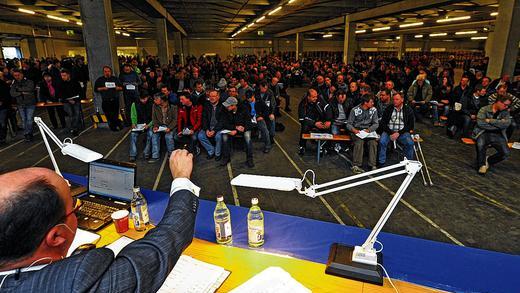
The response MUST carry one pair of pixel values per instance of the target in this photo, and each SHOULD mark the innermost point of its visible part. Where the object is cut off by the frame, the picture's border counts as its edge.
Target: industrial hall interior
(260, 146)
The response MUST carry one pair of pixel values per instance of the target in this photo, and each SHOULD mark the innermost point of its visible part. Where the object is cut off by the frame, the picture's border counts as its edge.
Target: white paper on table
(130, 87)
(516, 145)
(82, 237)
(110, 85)
(119, 244)
(271, 280)
(162, 129)
(139, 127)
(363, 134)
(225, 131)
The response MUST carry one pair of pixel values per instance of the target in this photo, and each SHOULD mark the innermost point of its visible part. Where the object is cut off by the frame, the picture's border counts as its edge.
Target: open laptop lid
(112, 180)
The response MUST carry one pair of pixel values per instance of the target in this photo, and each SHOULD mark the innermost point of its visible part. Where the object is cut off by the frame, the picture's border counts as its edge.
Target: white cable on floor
(388, 276)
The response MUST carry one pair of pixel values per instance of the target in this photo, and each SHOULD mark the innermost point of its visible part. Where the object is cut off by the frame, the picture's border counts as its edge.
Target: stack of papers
(82, 237)
(363, 134)
(516, 145)
(271, 280)
(191, 275)
(139, 127)
(119, 244)
(162, 128)
(322, 136)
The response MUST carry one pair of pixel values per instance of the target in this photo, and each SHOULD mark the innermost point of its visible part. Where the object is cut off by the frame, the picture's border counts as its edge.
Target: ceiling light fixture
(453, 19)
(79, 23)
(125, 34)
(479, 38)
(291, 1)
(411, 24)
(493, 14)
(438, 34)
(118, 32)
(418, 36)
(361, 31)
(466, 33)
(260, 19)
(275, 10)
(250, 25)
(26, 11)
(327, 35)
(57, 18)
(378, 29)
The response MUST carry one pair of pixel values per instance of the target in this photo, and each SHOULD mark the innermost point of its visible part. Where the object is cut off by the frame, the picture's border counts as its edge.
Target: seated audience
(198, 96)
(164, 117)
(265, 95)
(339, 108)
(210, 117)
(141, 114)
(419, 96)
(259, 114)
(313, 116)
(189, 121)
(514, 109)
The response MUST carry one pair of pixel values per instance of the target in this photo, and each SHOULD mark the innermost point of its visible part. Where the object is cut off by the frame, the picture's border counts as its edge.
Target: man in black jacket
(234, 120)
(5, 106)
(210, 117)
(70, 92)
(109, 86)
(313, 116)
(265, 95)
(33, 249)
(396, 123)
(258, 113)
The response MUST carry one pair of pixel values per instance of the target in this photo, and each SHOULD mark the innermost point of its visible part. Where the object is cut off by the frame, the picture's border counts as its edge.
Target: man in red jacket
(189, 122)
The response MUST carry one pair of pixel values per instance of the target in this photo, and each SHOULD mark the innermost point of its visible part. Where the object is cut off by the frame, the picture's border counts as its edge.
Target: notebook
(271, 280)
(82, 237)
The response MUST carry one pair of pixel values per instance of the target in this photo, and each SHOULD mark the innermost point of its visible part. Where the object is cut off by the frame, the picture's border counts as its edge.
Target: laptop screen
(111, 180)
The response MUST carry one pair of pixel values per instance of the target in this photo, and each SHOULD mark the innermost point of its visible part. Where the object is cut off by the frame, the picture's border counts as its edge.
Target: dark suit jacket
(142, 266)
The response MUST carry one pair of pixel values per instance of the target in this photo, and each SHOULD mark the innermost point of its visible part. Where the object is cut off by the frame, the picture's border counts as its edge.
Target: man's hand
(155, 129)
(103, 88)
(210, 133)
(394, 136)
(259, 118)
(473, 117)
(168, 130)
(487, 120)
(233, 132)
(181, 164)
(355, 131)
(72, 102)
(240, 128)
(271, 116)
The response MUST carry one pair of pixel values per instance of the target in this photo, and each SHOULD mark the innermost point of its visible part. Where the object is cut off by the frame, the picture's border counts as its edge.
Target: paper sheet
(363, 134)
(271, 280)
(162, 129)
(516, 145)
(139, 127)
(119, 244)
(82, 237)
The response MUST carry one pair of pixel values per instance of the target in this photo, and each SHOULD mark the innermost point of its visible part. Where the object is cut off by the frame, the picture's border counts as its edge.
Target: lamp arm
(44, 130)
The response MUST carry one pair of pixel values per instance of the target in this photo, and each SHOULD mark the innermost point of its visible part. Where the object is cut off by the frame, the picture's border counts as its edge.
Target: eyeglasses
(76, 205)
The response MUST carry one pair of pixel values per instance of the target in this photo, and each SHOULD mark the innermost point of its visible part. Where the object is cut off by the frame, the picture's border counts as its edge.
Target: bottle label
(223, 230)
(255, 234)
(144, 213)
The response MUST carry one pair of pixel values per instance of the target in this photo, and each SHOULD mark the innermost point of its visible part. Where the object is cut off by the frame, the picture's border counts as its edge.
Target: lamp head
(80, 153)
(267, 182)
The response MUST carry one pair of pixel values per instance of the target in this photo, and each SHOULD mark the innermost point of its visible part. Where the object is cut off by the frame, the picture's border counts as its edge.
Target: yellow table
(245, 263)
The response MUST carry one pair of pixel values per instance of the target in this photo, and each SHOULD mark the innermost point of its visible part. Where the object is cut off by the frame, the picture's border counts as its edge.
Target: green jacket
(133, 116)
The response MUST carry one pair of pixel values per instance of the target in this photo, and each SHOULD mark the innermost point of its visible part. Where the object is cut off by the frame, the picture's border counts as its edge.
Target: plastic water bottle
(222, 219)
(139, 210)
(255, 225)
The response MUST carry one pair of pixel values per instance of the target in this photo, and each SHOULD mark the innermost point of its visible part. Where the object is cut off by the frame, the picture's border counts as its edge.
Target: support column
(33, 51)
(177, 40)
(299, 46)
(401, 50)
(98, 35)
(488, 47)
(350, 42)
(275, 45)
(504, 52)
(426, 45)
(162, 41)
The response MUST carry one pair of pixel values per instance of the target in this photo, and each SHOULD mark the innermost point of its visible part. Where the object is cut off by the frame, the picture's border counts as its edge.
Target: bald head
(32, 202)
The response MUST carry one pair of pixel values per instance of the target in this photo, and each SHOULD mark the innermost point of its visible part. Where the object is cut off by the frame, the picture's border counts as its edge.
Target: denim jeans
(3, 124)
(404, 139)
(74, 112)
(208, 146)
(27, 114)
(271, 124)
(435, 112)
(156, 143)
(262, 127)
(134, 135)
(226, 145)
(191, 140)
(496, 141)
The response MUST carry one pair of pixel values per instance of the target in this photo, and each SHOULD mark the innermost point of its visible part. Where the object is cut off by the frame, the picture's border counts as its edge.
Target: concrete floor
(462, 208)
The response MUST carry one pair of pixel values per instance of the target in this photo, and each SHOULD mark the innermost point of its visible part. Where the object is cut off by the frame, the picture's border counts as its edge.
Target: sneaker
(357, 170)
(210, 156)
(482, 170)
(147, 157)
(301, 151)
(153, 160)
(337, 148)
(197, 151)
(131, 159)
(250, 164)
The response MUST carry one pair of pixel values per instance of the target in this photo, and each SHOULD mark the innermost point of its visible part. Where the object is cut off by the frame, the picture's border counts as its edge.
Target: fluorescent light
(453, 19)
(250, 25)
(275, 10)
(260, 19)
(233, 35)
(411, 24)
(267, 182)
(327, 36)
(438, 35)
(291, 1)
(79, 23)
(57, 18)
(125, 34)
(466, 33)
(493, 14)
(479, 38)
(378, 29)
(418, 36)
(118, 32)
(26, 11)
(361, 31)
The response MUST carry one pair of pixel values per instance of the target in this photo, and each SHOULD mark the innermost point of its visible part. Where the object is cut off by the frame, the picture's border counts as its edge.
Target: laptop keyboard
(93, 216)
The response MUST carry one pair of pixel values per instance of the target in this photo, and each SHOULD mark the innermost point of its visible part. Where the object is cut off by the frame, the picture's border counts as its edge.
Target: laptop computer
(110, 188)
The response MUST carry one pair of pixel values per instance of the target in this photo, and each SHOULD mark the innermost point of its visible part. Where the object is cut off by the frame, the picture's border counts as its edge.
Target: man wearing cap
(234, 120)
(141, 117)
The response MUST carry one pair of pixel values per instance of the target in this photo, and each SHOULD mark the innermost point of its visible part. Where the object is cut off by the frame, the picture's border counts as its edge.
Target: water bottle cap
(137, 189)
(220, 198)
(254, 200)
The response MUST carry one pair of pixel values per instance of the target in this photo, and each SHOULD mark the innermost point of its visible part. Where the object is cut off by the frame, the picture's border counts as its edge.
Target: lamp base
(340, 264)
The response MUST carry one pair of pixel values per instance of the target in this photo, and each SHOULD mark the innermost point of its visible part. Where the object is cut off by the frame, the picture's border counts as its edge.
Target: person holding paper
(141, 116)
(189, 122)
(313, 115)
(164, 118)
(362, 123)
(109, 86)
(33, 248)
(131, 83)
(69, 92)
(396, 123)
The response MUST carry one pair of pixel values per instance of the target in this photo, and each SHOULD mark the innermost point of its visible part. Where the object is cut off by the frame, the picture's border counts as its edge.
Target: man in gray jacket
(363, 120)
(23, 91)
(492, 122)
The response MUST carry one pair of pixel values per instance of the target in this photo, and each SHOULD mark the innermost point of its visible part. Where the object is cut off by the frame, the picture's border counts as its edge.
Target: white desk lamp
(360, 262)
(67, 147)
